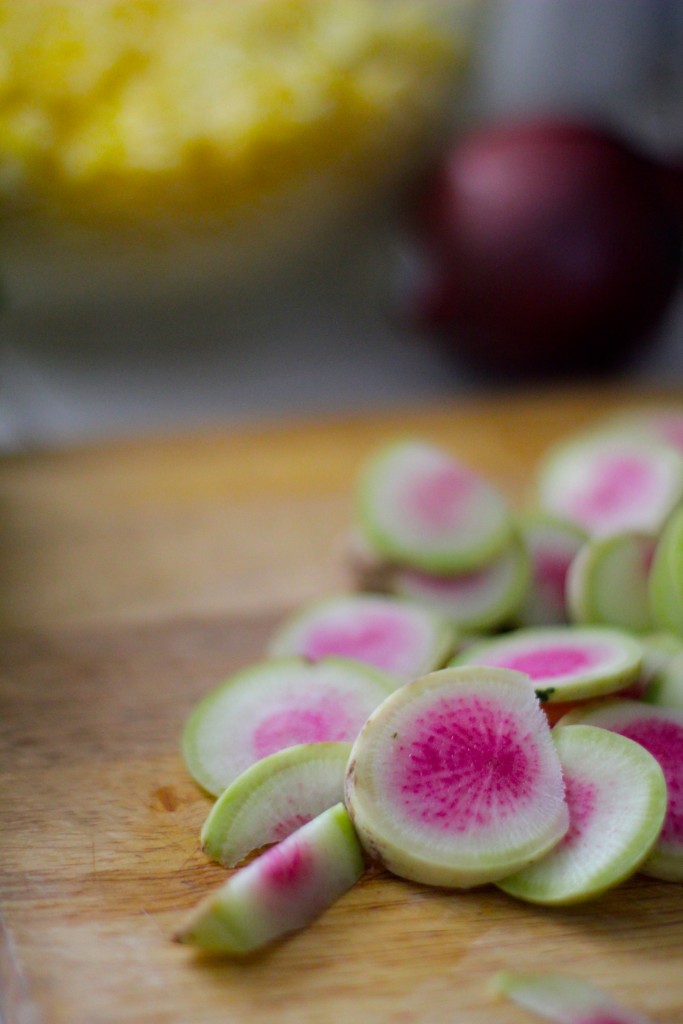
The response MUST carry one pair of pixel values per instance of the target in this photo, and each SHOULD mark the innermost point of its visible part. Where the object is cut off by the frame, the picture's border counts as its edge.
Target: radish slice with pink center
(390, 633)
(563, 662)
(617, 800)
(273, 798)
(611, 483)
(608, 581)
(564, 999)
(552, 544)
(283, 890)
(478, 599)
(660, 731)
(421, 507)
(454, 780)
(274, 705)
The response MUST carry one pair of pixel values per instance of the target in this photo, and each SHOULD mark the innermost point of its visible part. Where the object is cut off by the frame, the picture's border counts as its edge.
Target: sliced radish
(273, 798)
(277, 704)
(658, 650)
(565, 663)
(477, 599)
(663, 424)
(608, 581)
(666, 582)
(617, 798)
(564, 999)
(393, 634)
(610, 483)
(421, 507)
(283, 890)
(660, 731)
(552, 544)
(666, 684)
(454, 779)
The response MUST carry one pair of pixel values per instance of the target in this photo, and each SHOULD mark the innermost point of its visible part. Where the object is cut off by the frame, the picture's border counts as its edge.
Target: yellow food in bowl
(134, 111)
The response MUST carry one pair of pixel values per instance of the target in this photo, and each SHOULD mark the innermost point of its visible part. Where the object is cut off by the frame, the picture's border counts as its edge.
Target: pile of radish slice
(504, 706)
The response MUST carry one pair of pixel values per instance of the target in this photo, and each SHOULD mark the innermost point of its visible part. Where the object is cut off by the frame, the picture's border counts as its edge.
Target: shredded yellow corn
(129, 110)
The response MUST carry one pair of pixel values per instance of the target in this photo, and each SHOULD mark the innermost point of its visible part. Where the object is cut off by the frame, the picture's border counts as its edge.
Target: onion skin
(549, 247)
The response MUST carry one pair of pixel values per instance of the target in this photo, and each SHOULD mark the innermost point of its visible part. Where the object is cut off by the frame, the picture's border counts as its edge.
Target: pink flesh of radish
(385, 640)
(619, 483)
(551, 662)
(664, 740)
(435, 499)
(581, 797)
(321, 718)
(449, 750)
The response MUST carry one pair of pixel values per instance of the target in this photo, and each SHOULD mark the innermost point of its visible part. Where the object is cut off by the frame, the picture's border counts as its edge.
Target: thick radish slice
(454, 780)
(283, 890)
(273, 798)
(390, 633)
(565, 663)
(660, 731)
(474, 600)
(608, 581)
(421, 507)
(277, 704)
(564, 999)
(617, 799)
(665, 583)
(552, 544)
(665, 687)
(611, 483)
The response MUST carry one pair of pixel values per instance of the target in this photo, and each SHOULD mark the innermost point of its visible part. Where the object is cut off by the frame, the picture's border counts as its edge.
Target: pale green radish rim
(252, 786)
(642, 842)
(583, 580)
(596, 681)
(451, 559)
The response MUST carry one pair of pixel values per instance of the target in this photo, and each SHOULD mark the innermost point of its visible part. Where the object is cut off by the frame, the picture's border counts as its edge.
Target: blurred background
(217, 212)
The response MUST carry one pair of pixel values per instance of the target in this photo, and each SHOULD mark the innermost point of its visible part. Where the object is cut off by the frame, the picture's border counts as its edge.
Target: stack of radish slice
(416, 727)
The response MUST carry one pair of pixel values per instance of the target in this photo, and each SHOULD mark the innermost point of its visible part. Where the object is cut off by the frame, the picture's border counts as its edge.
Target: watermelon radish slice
(565, 663)
(454, 780)
(665, 586)
(564, 999)
(611, 483)
(283, 890)
(419, 506)
(390, 633)
(608, 581)
(273, 798)
(660, 731)
(277, 704)
(666, 684)
(478, 599)
(552, 544)
(662, 424)
(617, 801)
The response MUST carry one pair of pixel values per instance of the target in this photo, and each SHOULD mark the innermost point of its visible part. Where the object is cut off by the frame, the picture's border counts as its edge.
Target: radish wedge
(660, 731)
(283, 890)
(617, 801)
(421, 507)
(564, 999)
(277, 704)
(564, 662)
(390, 633)
(552, 544)
(454, 780)
(478, 599)
(608, 581)
(273, 798)
(611, 483)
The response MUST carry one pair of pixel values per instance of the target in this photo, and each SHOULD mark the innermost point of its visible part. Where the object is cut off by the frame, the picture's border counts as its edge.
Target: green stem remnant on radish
(277, 704)
(454, 780)
(282, 891)
(565, 663)
(617, 802)
(392, 634)
(418, 506)
(564, 999)
(273, 798)
(660, 731)
(608, 581)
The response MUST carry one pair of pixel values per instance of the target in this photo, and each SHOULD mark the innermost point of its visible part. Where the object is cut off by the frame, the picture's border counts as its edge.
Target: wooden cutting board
(135, 577)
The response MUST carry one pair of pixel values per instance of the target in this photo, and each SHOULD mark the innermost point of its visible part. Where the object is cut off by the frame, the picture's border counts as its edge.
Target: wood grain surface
(135, 577)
